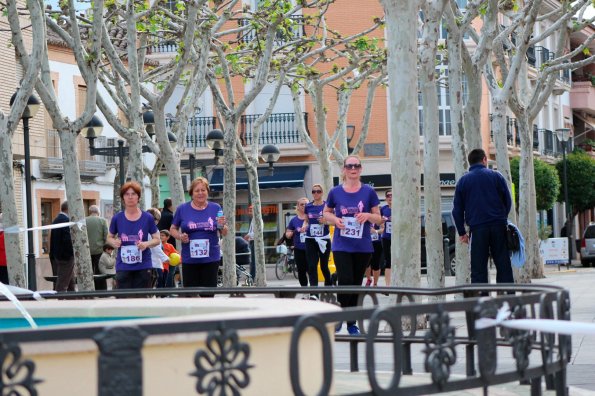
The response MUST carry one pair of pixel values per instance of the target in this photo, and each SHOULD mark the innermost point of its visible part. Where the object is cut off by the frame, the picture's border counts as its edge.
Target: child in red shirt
(168, 249)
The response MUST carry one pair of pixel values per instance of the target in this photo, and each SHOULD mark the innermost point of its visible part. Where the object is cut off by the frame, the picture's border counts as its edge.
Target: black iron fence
(278, 128)
(537, 355)
(292, 30)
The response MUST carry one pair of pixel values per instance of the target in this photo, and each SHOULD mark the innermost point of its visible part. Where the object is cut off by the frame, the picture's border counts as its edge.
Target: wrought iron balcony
(279, 128)
(53, 164)
(548, 141)
(197, 130)
(163, 45)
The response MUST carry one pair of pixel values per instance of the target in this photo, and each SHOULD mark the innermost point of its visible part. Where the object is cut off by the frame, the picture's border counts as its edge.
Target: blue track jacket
(481, 199)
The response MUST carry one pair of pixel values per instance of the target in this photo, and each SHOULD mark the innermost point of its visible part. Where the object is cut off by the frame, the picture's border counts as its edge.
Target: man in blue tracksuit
(482, 201)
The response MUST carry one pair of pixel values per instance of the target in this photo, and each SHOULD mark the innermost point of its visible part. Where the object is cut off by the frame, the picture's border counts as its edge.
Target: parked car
(588, 246)
(449, 234)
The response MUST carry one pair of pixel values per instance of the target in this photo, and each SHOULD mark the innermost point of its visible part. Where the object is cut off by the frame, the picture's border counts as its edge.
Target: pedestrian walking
(482, 201)
(197, 224)
(297, 233)
(167, 216)
(97, 235)
(133, 232)
(386, 215)
(61, 252)
(318, 239)
(352, 207)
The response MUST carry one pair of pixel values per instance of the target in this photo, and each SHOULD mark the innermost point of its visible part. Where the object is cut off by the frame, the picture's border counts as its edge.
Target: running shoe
(338, 327)
(313, 297)
(368, 282)
(353, 330)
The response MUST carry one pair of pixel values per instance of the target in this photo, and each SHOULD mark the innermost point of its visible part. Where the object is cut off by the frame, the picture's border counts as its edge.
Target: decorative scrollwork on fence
(521, 340)
(16, 374)
(440, 347)
(223, 367)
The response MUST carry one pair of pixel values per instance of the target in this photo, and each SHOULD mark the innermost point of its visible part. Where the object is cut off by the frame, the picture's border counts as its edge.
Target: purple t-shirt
(201, 227)
(298, 238)
(355, 238)
(386, 211)
(129, 257)
(315, 229)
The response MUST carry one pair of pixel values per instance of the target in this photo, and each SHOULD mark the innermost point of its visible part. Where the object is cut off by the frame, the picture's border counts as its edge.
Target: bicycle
(285, 263)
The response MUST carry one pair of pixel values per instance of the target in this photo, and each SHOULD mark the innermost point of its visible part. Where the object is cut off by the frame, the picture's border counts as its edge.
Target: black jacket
(165, 223)
(60, 242)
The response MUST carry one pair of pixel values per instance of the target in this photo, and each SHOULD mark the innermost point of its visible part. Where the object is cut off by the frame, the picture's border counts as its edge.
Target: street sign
(554, 251)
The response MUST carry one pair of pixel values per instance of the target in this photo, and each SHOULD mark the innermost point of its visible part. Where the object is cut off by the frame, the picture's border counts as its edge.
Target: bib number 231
(352, 229)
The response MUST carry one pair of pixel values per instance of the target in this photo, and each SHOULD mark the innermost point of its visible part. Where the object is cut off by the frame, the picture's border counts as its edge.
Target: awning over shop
(283, 177)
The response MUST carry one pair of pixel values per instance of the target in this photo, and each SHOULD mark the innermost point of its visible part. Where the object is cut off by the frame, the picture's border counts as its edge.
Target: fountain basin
(71, 367)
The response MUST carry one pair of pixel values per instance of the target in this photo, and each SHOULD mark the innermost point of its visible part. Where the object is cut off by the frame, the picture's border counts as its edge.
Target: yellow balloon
(174, 259)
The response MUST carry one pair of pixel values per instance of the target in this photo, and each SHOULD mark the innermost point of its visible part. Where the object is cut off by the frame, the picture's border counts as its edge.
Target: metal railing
(536, 354)
(197, 130)
(279, 128)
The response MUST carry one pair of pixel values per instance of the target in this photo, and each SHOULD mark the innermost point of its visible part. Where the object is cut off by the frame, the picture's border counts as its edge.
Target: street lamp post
(93, 130)
(563, 134)
(29, 112)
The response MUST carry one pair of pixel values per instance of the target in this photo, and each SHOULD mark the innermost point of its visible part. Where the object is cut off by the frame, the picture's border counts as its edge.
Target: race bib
(374, 236)
(352, 228)
(199, 248)
(388, 227)
(316, 230)
(130, 254)
(302, 237)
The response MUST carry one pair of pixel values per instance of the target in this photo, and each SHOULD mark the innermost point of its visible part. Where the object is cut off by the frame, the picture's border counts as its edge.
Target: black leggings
(376, 256)
(313, 253)
(302, 266)
(200, 275)
(350, 272)
(386, 251)
(135, 279)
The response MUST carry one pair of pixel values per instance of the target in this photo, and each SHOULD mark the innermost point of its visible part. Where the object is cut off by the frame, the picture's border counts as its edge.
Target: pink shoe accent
(368, 282)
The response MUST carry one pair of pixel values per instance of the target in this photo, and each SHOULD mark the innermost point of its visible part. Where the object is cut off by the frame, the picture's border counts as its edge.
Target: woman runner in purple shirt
(386, 214)
(133, 232)
(352, 207)
(294, 230)
(196, 224)
(318, 240)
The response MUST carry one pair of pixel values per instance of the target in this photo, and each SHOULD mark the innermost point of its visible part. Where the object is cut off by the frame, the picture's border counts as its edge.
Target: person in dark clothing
(482, 201)
(167, 216)
(61, 252)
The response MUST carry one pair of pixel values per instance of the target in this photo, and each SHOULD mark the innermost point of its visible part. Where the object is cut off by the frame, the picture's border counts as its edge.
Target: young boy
(168, 248)
(107, 263)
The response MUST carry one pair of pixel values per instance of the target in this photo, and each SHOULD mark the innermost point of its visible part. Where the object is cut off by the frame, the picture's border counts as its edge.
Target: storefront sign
(384, 181)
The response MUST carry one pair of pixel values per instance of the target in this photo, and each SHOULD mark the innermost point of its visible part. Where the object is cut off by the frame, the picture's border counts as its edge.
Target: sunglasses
(316, 191)
(353, 166)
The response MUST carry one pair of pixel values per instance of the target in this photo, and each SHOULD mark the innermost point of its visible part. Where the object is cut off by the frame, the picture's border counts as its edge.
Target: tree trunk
(76, 212)
(533, 267)
(154, 182)
(401, 26)
(324, 151)
(170, 158)
(259, 256)
(459, 146)
(229, 202)
(14, 253)
(433, 217)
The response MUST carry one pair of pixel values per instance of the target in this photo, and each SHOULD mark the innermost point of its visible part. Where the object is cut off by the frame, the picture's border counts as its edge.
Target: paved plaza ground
(581, 369)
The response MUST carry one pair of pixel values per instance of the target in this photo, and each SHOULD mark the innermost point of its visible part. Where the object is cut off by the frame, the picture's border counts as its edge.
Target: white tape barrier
(17, 229)
(544, 325)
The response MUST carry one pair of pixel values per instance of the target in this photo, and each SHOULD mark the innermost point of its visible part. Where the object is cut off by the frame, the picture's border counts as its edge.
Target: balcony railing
(295, 31)
(163, 45)
(53, 165)
(196, 134)
(279, 128)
